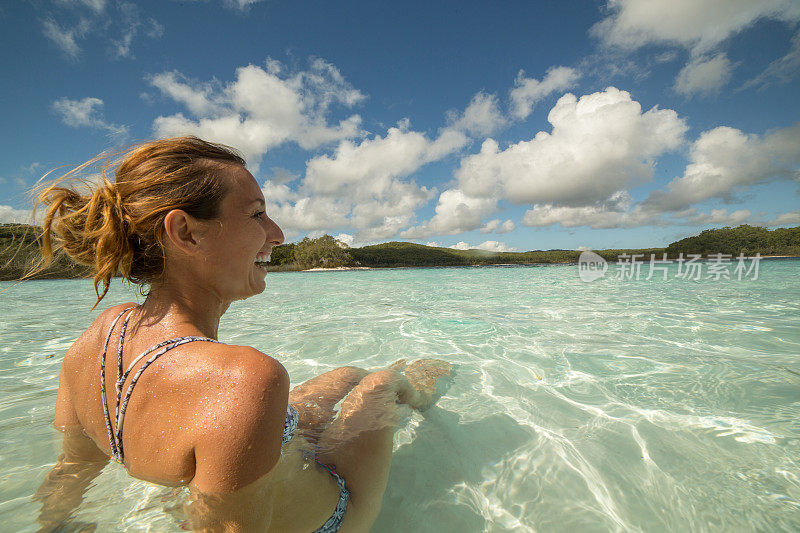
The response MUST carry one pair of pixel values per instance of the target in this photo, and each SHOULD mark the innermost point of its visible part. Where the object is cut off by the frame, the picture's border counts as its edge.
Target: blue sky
(504, 126)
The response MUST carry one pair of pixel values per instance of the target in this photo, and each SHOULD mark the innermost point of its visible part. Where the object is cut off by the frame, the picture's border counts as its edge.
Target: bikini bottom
(335, 521)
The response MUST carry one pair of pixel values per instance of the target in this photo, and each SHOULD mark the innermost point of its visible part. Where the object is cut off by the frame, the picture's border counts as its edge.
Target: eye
(259, 214)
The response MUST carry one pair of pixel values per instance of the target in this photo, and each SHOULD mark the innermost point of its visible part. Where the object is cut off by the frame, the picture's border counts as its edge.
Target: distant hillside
(19, 249)
(406, 254)
(745, 239)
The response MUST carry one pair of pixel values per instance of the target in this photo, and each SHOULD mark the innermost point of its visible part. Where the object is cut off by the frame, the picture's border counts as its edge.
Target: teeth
(262, 257)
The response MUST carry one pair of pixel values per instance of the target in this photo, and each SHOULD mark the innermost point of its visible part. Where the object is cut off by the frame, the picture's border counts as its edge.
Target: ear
(183, 231)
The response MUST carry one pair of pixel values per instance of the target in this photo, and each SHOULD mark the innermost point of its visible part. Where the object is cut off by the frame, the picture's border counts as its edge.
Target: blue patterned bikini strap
(115, 434)
(111, 441)
(335, 521)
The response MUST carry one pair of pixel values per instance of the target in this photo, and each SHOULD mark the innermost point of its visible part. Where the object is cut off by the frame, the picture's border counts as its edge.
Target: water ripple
(609, 406)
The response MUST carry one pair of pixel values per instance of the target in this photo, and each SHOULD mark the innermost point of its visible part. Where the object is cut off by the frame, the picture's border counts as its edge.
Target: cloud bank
(262, 108)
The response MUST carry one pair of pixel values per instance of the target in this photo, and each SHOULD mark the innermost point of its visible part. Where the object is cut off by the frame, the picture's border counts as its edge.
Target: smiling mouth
(262, 260)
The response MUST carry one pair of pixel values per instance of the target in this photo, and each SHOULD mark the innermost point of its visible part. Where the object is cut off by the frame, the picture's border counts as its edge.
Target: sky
(504, 126)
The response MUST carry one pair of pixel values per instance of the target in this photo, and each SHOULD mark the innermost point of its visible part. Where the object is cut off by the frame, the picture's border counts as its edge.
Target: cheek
(227, 245)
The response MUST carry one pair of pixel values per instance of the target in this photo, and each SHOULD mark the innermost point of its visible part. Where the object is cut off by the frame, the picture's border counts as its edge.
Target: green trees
(283, 255)
(745, 239)
(19, 249)
(324, 252)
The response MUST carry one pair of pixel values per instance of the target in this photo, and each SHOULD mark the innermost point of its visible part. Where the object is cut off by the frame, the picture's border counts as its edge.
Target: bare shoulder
(73, 367)
(238, 431)
(107, 316)
(247, 384)
(244, 369)
(90, 339)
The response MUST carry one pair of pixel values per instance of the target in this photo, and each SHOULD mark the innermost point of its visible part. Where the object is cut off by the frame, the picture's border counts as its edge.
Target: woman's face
(241, 237)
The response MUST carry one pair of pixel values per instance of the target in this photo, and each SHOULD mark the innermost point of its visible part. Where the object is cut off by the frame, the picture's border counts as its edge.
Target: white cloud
(241, 4)
(791, 218)
(527, 92)
(86, 113)
(720, 217)
(694, 24)
(434, 244)
(377, 202)
(575, 175)
(665, 57)
(130, 24)
(78, 113)
(725, 159)
(498, 227)
(197, 98)
(11, 215)
(309, 213)
(65, 38)
(491, 226)
(277, 192)
(489, 246)
(262, 109)
(95, 5)
(481, 117)
(455, 213)
(345, 238)
(781, 70)
(368, 185)
(599, 144)
(118, 26)
(154, 30)
(704, 75)
(494, 246)
(122, 46)
(383, 217)
(607, 217)
(612, 213)
(372, 176)
(507, 227)
(369, 167)
(624, 215)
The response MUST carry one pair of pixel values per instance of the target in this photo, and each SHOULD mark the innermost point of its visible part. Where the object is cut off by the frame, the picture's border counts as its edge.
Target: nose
(274, 233)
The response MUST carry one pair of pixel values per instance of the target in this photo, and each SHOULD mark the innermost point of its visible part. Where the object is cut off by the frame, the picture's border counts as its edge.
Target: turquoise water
(616, 405)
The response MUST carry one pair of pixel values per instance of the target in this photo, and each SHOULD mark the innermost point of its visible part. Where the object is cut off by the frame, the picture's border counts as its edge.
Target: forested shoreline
(20, 250)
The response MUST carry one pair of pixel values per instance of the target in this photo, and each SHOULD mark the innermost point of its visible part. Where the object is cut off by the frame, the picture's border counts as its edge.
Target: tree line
(19, 250)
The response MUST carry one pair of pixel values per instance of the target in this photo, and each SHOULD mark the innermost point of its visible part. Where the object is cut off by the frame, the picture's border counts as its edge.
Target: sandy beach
(321, 269)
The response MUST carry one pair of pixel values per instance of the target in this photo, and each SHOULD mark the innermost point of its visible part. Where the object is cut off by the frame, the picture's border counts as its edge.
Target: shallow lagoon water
(616, 405)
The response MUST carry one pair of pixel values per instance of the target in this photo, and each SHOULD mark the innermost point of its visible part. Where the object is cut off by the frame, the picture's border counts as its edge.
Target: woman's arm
(80, 462)
(238, 445)
(63, 488)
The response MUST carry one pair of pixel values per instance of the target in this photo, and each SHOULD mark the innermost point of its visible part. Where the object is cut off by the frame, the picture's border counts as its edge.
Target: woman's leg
(316, 398)
(359, 441)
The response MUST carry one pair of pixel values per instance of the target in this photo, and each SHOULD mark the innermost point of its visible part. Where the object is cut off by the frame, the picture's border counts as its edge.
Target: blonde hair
(117, 227)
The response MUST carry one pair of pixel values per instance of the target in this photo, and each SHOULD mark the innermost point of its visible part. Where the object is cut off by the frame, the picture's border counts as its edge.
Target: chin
(259, 287)
(252, 290)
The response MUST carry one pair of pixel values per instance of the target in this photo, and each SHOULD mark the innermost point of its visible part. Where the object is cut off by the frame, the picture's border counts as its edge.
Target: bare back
(180, 399)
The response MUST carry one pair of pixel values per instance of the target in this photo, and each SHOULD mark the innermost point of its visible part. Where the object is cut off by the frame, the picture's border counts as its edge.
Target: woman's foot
(431, 378)
(397, 366)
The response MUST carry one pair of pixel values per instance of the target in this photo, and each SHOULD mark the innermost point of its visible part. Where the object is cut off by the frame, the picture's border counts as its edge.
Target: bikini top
(115, 433)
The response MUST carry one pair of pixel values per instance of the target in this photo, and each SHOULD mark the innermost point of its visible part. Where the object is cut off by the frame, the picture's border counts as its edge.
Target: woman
(150, 386)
